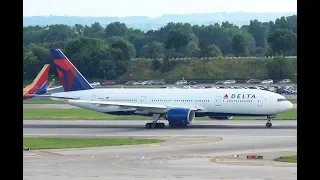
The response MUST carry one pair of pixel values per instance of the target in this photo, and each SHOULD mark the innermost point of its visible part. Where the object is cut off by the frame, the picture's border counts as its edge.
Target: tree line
(104, 52)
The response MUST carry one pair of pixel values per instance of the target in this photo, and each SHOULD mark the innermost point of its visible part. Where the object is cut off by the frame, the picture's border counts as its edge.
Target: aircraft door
(143, 99)
(218, 101)
(260, 102)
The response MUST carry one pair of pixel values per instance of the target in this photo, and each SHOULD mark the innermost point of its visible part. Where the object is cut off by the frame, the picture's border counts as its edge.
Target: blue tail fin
(71, 79)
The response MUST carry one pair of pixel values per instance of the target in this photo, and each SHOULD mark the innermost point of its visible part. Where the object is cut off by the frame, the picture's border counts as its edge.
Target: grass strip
(290, 159)
(59, 143)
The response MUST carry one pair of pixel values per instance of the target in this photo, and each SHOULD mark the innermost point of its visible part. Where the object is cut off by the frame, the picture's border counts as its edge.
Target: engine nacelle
(180, 116)
(221, 117)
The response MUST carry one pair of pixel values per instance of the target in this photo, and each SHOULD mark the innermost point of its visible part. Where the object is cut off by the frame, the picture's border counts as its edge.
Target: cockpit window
(282, 99)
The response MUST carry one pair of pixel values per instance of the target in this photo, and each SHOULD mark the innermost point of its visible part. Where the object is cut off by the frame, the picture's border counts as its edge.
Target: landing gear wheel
(163, 125)
(160, 125)
(269, 119)
(268, 124)
(155, 125)
(148, 126)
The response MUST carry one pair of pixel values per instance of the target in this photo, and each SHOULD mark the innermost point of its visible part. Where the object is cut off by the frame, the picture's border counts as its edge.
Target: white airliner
(178, 106)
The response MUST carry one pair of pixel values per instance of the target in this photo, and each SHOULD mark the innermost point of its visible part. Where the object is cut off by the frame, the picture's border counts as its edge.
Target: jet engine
(221, 117)
(180, 116)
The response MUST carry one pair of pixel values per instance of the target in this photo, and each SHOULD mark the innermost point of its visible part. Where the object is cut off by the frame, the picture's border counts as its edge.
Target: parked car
(267, 81)
(157, 83)
(221, 87)
(130, 83)
(137, 83)
(192, 83)
(271, 89)
(253, 81)
(289, 90)
(219, 82)
(226, 82)
(285, 81)
(181, 82)
(95, 84)
(146, 83)
(107, 83)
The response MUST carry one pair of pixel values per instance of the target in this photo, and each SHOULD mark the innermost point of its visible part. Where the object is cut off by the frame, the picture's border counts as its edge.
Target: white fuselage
(209, 101)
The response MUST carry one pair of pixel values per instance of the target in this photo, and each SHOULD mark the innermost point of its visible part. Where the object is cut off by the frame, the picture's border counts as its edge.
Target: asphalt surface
(204, 150)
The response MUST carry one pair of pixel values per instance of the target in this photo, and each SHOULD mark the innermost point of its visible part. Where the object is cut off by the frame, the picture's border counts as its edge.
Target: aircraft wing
(140, 106)
(128, 105)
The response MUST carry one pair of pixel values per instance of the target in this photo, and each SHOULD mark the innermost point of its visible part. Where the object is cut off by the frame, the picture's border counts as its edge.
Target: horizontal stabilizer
(50, 96)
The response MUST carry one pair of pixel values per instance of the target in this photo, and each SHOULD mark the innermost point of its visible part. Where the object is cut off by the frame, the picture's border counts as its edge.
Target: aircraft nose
(290, 105)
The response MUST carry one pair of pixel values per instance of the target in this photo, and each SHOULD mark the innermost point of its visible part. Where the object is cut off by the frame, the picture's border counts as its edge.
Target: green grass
(291, 159)
(241, 68)
(30, 101)
(294, 101)
(58, 143)
(75, 114)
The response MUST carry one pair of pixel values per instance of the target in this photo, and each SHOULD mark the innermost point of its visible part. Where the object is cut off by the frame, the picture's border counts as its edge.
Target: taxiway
(201, 151)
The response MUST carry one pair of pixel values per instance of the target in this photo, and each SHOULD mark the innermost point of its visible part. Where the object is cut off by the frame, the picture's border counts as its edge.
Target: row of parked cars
(150, 82)
(185, 82)
(277, 89)
(192, 84)
(155, 82)
(110, 83)
(255, 81)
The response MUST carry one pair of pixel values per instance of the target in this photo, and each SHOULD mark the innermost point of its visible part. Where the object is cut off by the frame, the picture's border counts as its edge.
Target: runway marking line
(196, 138)
(153, 145)
(241, 161)
(118, 164)
(215, 138)
(32, 155)
(278, 165)
(46, 153)
(167, 137)
(217, 160)
(181, 157)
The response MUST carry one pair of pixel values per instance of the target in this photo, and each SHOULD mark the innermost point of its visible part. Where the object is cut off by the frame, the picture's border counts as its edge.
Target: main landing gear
(155, 124)
(269, 119)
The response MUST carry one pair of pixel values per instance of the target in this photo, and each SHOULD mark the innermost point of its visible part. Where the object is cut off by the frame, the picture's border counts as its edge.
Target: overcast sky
(151, 8)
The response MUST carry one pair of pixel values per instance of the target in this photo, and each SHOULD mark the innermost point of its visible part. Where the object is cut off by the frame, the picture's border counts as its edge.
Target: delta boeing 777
(178, 106)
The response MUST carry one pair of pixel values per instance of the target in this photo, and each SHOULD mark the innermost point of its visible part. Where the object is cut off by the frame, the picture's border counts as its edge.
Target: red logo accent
(225, 96)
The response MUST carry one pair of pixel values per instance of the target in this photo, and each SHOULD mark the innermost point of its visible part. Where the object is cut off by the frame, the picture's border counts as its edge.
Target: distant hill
(146, 23)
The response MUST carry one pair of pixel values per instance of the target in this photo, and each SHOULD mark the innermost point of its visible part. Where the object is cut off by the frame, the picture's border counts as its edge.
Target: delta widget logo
(225, 96)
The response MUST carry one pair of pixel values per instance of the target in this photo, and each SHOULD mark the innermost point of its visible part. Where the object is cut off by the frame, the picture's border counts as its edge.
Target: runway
(201, 151)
